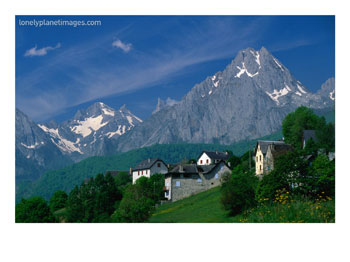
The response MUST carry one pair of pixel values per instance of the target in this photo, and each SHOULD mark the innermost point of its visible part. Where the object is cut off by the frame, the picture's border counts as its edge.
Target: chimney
(181, 168)
(229, 164)
(216, 152)
(149, 160)
(130, 171)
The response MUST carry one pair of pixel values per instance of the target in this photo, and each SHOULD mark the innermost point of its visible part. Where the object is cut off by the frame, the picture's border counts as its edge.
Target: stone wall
(185, 185)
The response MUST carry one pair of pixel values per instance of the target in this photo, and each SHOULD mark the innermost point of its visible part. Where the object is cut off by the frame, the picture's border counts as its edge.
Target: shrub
(58, 200)
(237, 190)
(324, 172)
(33, 210)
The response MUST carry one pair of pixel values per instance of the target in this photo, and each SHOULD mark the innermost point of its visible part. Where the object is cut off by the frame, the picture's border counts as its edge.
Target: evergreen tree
(33, 210)
(58, 200)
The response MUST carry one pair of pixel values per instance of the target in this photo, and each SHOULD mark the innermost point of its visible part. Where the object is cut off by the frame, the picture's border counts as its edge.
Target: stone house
(266, 152)
(148, 167)
(211, 158)
(188, 179)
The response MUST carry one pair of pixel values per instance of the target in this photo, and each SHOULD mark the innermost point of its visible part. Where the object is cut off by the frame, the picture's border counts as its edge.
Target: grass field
(205, 208)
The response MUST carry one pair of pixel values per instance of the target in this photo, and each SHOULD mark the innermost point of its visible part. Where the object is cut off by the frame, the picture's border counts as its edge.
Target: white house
(211, 158)
(149, 167)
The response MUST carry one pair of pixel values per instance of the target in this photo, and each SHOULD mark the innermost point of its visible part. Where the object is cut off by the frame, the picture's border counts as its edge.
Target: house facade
(148, 167)
(189, 179)
(266, 153)
(211, 158)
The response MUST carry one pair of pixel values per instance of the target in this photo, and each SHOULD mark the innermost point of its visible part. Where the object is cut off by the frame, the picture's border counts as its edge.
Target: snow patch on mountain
(243, 70)
(31, 146)
(331, 95)
(301, 89)
(62, 143)
(275, 95)
(85, 127)
(279, 65)
(257, 57)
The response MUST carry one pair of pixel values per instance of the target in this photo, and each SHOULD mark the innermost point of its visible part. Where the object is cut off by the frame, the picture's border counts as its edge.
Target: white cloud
(126, 47)
(42, 51)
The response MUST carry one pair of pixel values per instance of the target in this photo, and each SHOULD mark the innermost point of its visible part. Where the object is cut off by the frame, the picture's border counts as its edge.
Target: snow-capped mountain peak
(85, 133)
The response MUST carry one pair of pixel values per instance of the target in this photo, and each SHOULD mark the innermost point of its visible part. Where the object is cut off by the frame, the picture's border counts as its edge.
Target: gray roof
(187, 169)
(264, 144)
(307, 134)
(216, 155)
(194, 168)
(147, 163)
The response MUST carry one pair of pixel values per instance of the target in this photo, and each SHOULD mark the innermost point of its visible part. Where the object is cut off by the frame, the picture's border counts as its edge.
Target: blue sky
(133, 60)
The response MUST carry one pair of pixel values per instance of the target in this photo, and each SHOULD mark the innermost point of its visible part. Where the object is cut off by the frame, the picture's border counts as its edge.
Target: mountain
(35, 152)
(90, 131)
(247, 100)
(163, 104)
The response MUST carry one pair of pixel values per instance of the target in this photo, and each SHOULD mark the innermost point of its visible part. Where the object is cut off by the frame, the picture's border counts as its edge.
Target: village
(185, 179)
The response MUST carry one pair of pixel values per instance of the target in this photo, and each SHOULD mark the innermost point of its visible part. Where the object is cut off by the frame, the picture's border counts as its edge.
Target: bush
(33, 210)
(323, 171)
(58, 200)
(269, 184)
(237, 190)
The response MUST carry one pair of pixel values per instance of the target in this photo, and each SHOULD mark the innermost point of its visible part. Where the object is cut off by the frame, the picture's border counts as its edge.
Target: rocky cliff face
(247, 100)
(35, 152)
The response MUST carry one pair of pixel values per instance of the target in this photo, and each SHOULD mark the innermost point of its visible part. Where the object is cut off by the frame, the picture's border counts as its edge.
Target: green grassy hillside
(66, 178)
(205, 207)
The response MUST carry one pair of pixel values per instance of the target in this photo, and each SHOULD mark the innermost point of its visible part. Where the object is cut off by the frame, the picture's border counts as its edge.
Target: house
(266, 152)
(148, 167)
(187, 179)
(210, 157)
(308, 134)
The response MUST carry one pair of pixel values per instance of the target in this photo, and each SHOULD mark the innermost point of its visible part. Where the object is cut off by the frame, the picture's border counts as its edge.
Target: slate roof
(147, 164)
(216, 155)
(194, 169)
(264, 144)
(187, 169)
(280, 149)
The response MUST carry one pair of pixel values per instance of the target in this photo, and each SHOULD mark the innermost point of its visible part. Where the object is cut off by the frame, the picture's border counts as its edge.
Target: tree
(238, 190)
(294, 124)
(58, 200)
(75, 210)
(234, 161)
(326, 137)
(324, 172)
(33, 210)
(137, 204)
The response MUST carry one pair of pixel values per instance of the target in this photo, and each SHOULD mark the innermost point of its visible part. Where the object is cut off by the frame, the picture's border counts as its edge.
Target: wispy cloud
(42, 51)
(87, 80)
(126, 47)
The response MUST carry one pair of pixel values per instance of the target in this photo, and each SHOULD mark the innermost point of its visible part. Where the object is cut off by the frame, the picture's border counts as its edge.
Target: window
(201, 161)
(260, 167)
(216, 176)
(178, 183)
(138, 172)
(158, 165)
(207, 161)
(260, 158)
(199, 180)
